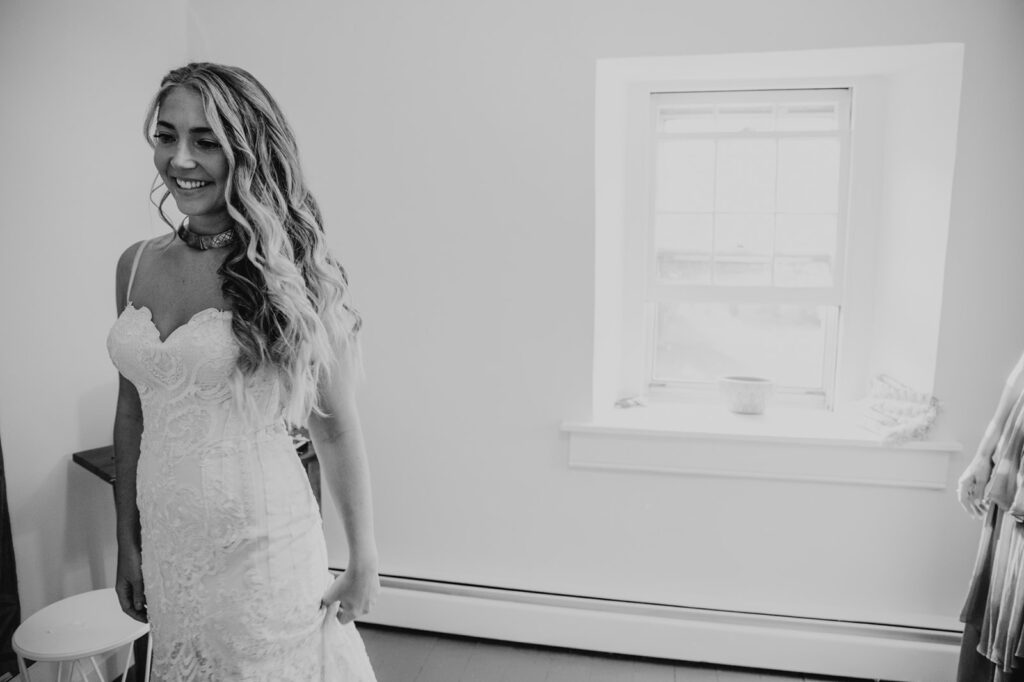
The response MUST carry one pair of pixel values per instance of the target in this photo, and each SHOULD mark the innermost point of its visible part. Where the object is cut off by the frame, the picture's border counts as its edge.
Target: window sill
(782, 444)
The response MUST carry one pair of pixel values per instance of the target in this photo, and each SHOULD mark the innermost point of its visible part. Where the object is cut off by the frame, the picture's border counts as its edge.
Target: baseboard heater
(756, 640)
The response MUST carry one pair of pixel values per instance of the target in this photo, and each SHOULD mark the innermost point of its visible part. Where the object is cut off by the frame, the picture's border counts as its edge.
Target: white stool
(79, 627)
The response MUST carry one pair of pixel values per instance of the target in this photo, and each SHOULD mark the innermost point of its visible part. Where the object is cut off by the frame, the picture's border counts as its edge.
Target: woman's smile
(184, 184)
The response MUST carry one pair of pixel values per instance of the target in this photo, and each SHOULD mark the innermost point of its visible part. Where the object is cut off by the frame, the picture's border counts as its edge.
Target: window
(746, 195)
(776, 213)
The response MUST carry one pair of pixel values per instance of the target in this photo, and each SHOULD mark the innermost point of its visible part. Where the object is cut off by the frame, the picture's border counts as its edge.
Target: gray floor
(413, 656)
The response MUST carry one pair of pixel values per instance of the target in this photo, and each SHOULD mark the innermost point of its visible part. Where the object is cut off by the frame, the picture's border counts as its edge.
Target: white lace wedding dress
(233, 555)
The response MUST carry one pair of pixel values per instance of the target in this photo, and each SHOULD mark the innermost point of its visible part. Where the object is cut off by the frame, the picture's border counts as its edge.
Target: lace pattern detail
(233, 554)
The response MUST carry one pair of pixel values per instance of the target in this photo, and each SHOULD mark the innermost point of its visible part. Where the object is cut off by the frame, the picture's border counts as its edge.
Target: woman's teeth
(190, 184)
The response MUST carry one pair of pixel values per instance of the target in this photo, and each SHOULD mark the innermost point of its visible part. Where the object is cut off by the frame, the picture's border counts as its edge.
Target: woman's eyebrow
(201, 129)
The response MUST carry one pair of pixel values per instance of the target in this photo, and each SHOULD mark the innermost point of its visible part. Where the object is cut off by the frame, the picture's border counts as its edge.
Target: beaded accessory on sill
(896, 412)
(206, 241)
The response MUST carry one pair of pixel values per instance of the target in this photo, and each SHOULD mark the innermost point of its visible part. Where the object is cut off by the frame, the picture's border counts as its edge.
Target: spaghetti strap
(135, 266)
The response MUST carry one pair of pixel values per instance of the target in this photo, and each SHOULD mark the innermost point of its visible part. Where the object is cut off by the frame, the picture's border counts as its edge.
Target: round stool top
(83, 625)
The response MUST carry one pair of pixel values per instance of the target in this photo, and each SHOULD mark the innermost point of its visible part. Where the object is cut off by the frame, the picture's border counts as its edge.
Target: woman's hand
(356, 589)
(128, 584)
(971, 486)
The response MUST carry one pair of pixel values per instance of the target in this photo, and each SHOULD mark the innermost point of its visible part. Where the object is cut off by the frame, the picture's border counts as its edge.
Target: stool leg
(128, 662)
(149, 656)
(99, 675)
(23, 670)
(60, 671)
(82, 671)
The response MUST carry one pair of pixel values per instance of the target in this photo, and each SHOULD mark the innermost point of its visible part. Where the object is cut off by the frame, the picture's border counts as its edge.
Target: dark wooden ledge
(100, 461)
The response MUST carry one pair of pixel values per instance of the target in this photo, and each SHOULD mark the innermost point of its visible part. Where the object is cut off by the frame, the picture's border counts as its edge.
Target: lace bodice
(188, 383)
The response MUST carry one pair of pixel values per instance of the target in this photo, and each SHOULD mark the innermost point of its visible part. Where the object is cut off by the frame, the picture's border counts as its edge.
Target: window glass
(686, 175)
(808, 116)
(808, 175)
(746, 199)
(684, 243)
(687, 119)
(703, 341)
(734, 118)
(744, 234)
(745, 177)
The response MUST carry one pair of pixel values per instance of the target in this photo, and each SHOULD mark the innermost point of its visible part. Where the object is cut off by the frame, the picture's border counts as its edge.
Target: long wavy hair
(289, 295)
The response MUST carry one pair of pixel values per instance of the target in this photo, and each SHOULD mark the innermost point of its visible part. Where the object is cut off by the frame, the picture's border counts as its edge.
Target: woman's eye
(163, 138)
(208, 144)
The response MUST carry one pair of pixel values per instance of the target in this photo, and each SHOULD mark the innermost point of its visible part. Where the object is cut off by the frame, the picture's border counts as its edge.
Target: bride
(232, 328)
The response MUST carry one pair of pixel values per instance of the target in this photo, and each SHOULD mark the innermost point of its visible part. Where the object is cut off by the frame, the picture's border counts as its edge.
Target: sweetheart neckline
(149, 318)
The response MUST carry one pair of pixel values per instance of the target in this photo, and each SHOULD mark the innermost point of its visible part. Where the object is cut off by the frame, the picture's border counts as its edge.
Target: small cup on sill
(746, 395)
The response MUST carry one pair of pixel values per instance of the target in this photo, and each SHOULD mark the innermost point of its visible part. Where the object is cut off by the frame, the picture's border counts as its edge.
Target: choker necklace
(206, 241)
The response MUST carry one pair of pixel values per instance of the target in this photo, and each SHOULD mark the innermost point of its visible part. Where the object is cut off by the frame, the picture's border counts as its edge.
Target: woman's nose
(183, 156)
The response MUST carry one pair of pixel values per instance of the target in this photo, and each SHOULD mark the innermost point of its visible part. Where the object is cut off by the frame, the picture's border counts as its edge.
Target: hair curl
(289, 295)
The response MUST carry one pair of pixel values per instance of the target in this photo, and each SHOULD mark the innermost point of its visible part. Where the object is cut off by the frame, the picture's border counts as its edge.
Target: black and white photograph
(537, 341)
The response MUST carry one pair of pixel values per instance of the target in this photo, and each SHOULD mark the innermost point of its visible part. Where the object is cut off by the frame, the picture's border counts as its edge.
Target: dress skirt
(993, 615)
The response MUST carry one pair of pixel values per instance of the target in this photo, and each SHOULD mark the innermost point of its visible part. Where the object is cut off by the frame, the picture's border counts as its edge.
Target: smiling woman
(231, 329)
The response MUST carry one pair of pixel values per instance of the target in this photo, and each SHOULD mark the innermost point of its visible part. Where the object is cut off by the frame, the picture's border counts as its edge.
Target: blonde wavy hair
(289, 295)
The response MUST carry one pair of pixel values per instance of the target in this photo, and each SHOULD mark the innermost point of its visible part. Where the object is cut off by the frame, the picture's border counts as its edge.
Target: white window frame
(851, 289)
(905, 110)
(642, 210)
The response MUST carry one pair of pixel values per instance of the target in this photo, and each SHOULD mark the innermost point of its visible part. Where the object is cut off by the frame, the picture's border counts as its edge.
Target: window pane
(797, 234)
(743, 271)
(680, 269)
(683, 244)
(803, 271)
(683, 119)
(683, 232)
(808, 116)
(703, 341)
(744, 234)
(746, 175)
(809, 175)
(685, 175)
(734, 118)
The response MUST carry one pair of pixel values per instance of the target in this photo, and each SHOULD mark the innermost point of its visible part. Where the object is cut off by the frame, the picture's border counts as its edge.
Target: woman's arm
(127, 440)
(971, 486)
(1011, 391)
(127, 437)
(338, 440)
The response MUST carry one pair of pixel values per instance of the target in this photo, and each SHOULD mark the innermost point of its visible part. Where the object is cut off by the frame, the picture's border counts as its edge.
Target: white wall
(918, 153)
(452, 144)
(74, 181)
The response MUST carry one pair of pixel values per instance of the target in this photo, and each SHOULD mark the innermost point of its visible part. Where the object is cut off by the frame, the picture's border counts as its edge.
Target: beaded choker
(206, 241)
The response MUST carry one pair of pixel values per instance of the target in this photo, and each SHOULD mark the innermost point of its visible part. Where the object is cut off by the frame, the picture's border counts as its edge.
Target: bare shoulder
(124, 269)
(124, 263)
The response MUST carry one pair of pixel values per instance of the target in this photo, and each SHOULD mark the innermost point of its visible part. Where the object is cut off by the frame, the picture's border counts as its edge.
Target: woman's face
(190, 160)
